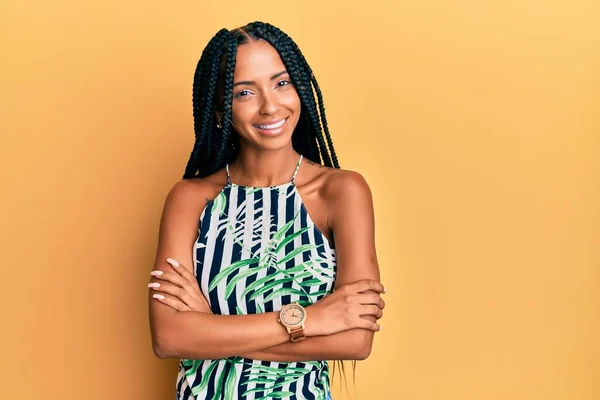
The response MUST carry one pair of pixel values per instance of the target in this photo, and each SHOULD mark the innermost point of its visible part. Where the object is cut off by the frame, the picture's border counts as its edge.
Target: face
(266, 106)
(293, 315)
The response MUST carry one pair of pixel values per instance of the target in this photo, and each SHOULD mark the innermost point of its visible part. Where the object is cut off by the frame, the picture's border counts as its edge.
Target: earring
(218, 116)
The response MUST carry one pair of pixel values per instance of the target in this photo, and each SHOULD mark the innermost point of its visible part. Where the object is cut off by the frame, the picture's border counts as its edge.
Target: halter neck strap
(297, 168)
(228, 177)
(293, 176)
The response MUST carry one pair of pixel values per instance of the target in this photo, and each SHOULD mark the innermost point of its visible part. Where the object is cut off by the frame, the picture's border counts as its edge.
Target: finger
(371, 309)
(174, 278)
(178, 281)
(371, 298)
(368, 284)
(185, 272)
(177, 292)
(171, 302)
(369, 325)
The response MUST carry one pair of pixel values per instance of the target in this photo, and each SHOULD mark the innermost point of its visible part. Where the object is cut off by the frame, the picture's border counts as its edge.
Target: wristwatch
(292, 317)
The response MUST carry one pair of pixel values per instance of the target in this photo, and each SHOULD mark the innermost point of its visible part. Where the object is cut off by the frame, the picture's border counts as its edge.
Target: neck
(259, 168)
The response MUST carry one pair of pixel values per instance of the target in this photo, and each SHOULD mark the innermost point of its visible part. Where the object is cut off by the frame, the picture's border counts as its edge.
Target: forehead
(257, 60)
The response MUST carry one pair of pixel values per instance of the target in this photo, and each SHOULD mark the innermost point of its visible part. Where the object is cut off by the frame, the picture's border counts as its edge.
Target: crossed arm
(180, 333)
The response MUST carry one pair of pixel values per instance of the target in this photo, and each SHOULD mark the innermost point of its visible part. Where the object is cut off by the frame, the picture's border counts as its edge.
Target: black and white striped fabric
(257, 250)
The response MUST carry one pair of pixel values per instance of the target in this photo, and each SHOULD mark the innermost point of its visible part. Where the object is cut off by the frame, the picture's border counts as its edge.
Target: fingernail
(174, 263)
(156, 273)
(154, 284)
(158, 296)
(380, 328)
(384, 289)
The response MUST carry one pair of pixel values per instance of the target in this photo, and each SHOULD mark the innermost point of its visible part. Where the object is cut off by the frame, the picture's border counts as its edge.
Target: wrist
(311, 324)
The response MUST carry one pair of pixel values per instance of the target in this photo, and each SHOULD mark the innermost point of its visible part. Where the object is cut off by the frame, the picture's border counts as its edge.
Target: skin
(341, 325)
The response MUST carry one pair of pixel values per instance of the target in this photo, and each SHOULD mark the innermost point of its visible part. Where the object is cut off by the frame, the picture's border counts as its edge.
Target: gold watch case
(292, 315)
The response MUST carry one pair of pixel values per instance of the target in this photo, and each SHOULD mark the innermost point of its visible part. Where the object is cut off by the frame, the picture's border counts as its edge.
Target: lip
(271, 132)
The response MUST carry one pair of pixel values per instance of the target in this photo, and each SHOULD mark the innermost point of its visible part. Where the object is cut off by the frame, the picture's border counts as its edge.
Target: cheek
(242, 112)
(293, 102)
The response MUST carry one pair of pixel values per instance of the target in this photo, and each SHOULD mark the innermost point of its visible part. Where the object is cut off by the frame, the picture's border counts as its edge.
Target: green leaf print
(281, 232)
(261, 389)
(285, 292)
(273, 378)
(205, 378)
(237, 228)
(277, 395)
(318, 271)
(231, 285)
(230, 382)
(259, 309)
(251, 190)
(193, 366)
(219, 384)
(320, 293)
(311, 282)
(299, 268)
(268, 260)
(277, 275)
(258, 282)
(296, 251)
(273, 284)
(269, 378)
(289, 238)
(236, 265)
(219, 203)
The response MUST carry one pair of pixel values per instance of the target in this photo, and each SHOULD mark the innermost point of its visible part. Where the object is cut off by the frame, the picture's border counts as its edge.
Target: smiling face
(266, 106)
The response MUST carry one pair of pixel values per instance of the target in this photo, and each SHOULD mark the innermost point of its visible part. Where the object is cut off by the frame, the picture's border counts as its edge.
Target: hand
(182, 285)
(342, 310)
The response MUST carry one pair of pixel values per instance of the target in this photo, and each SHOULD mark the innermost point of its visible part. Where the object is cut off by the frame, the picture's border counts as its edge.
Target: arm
(350, 207)
(199, 335)
(339, 346)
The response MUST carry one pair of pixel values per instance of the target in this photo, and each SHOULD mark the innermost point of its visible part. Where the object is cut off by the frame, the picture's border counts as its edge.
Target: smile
(271, 126)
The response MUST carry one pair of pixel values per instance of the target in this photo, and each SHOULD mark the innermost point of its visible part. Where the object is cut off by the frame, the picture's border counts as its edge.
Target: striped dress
(258, 250)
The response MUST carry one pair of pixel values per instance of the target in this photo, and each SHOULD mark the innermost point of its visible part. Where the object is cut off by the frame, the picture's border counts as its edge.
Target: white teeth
(272, 126)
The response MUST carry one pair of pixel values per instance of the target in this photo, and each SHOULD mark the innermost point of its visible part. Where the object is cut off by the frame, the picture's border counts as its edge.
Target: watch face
(293, 315)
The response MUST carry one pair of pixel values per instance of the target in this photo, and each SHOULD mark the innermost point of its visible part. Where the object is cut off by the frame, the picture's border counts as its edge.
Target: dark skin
(339, 326)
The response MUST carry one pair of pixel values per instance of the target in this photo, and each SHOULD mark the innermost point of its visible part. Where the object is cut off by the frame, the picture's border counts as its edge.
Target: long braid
(209, 118)
(203, 92)
(322, 116)
(324, 122)
(225, 145)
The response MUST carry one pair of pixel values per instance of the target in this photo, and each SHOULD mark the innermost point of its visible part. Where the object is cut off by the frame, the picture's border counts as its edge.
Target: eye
(283, 82)
(242, 93)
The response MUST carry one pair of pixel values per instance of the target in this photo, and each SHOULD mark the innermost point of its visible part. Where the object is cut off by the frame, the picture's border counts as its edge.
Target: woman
(260, 230)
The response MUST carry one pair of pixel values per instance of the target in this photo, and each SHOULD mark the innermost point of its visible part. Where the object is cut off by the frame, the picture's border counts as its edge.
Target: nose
(270, 104)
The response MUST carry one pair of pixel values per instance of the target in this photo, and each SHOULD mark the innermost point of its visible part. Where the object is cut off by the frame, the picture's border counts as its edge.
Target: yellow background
(476, 123)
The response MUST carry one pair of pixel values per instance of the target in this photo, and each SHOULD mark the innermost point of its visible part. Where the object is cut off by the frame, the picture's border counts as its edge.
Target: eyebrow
(277, 75)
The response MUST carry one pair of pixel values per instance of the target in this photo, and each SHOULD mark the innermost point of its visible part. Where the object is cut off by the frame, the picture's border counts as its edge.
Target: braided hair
(212, 96)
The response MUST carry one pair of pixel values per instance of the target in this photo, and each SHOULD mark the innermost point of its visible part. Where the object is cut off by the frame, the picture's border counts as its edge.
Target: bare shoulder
(196, 192)
(347, 181)
(341, 185)
(334, 181)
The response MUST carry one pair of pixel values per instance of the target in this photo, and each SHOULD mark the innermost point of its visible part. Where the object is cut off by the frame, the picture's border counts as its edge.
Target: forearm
(196, 335)
(353, 344)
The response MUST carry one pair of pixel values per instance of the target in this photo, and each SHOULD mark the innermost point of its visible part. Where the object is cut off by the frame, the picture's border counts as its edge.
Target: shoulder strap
(297, 168)
(228, 177)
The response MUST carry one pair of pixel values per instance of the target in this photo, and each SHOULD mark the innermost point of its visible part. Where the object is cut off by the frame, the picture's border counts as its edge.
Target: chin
(274, 143)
